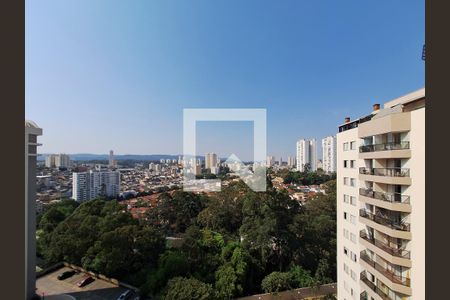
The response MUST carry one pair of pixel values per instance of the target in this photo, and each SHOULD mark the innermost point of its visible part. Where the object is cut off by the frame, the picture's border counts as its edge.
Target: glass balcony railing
(383, 270)
(384, 147)
(384, 246)
(373, 287)
(388, 197)
(390, 172)
(384, 220)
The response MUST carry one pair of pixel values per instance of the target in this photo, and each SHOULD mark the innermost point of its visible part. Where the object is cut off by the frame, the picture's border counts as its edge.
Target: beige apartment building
(381, 202)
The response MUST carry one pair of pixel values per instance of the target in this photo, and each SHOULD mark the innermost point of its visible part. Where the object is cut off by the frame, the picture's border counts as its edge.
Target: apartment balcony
(395, 282)
(373, 287)
(391, 254)
(386, 225)
(391, 201)
(377, 125)
(385, 150)
(399, 176)
(363, 296)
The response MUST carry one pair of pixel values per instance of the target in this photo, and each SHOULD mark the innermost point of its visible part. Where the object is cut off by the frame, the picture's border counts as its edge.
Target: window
(346, 233)
(345, 163)
(345, 180)
(353, 237)
(345, 215)
(346, 198)
(352, 181)
(353, 256)
(352, 164)
(345, 251)
(353, 219)
(353, 200)
(346, 269)
(345, 146)
(353, 275)
(353, 145)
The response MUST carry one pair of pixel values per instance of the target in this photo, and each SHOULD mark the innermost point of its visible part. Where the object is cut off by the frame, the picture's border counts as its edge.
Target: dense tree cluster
(233, 243)
(305, 178)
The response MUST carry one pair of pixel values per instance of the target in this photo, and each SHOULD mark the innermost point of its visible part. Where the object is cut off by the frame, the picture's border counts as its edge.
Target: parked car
(124, 295)
(85, 281)
(66, 274)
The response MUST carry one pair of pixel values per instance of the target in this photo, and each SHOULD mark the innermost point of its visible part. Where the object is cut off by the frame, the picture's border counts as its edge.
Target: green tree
(276, 282)
(174, 213)
(182, 288)
(266, 229)
(223, 212)
(300, 277)
(171, 264)
(316, 229)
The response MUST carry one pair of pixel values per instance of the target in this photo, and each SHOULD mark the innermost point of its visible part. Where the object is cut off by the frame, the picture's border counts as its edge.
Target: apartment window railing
(373, 287)
(384, 147)
(387, 273)
(389, 197)
(386, 221)
(384, 246)
(390, 172)
(363, 296)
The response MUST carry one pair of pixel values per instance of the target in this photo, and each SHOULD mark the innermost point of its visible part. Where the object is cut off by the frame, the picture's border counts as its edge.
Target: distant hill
(88, 156)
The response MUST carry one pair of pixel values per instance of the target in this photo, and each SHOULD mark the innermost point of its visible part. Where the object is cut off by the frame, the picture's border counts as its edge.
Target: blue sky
(116, 75)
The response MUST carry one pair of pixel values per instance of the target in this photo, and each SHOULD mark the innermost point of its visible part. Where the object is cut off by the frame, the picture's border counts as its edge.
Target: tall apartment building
(32, 131)
(92, 184)
(57, 161)
(50, 161)
(112, 163)
(291, 161)
(270, 161)
(210, 160)
(306, 154)
(381, 202)
(329, 155)
(62, 161)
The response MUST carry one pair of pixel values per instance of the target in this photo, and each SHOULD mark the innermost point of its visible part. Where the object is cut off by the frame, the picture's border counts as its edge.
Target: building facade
(329, 154)
(57, 161)
(90, 185)
(210, 160)
(381, 202)
(32, 131)
(62, 161)
(306, 155)
(291, 161)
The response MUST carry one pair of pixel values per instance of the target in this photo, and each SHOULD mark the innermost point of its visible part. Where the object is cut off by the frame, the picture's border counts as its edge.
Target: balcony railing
(385, 247)
(384, 147)
(388, 197)
(387, 273)
(383, 220)
(373, 287)
(390, 172)
(363, 296)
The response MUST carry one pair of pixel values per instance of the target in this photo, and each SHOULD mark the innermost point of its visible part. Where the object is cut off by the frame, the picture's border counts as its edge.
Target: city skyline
(118, 76)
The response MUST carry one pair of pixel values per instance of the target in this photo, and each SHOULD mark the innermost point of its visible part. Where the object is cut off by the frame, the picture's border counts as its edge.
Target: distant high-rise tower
(269, 161)
(210, 160)
(32, 131)
(306, 155)
(291, 161)
(329, 154)
(111, 158)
